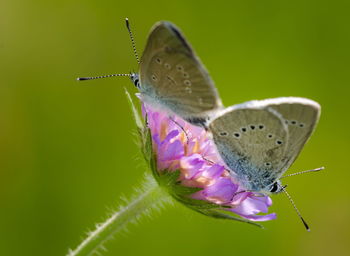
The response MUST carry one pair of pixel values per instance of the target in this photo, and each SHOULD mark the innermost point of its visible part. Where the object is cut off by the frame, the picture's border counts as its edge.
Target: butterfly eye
(135, 80)
(137, 84)
(274, 187)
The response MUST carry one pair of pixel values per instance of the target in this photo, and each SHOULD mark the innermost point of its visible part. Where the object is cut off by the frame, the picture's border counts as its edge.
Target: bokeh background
(67, 150)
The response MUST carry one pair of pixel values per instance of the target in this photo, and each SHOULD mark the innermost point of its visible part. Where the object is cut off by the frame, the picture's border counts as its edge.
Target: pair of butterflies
(258, 140)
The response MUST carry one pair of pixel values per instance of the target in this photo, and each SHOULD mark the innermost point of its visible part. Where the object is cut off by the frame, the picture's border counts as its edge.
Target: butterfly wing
(259, 156)
(172, 75)
(301, 116)
(251, 140)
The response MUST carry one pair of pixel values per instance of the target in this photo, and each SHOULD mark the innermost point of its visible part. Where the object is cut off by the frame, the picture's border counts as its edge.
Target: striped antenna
(98, 77)
(132, 40)
(297, 173)
(295, 208)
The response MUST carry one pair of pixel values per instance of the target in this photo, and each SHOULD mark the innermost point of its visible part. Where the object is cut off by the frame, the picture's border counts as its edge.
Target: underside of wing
(301, 116)
(297, 116)
(251, 141)
(173, 76)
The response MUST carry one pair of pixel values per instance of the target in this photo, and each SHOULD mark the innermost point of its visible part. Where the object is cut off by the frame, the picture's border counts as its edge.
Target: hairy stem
(151, 196)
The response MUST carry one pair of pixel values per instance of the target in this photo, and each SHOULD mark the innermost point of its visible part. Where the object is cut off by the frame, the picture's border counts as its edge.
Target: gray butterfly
(173, 78)
(259, 140)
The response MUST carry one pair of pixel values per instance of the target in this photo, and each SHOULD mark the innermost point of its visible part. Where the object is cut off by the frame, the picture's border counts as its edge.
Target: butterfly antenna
(295, 208)
(297, 173)
(98, 77)
(132, 40)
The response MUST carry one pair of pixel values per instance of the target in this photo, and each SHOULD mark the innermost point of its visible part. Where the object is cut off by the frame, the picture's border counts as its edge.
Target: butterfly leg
(208, 160)
(247, 191)
(146, 119)
(181, 127)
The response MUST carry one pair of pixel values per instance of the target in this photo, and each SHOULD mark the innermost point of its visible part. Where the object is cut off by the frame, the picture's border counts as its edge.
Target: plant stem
(151, 196)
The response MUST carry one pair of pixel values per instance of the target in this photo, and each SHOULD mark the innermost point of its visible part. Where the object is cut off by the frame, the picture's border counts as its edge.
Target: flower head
(196, 175)
(185, 162)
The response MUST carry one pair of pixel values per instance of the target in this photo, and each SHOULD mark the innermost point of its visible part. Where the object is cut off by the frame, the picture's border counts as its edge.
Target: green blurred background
(67, 150)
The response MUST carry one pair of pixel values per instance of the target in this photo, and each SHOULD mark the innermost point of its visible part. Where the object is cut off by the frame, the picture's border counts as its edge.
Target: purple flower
(189, 151)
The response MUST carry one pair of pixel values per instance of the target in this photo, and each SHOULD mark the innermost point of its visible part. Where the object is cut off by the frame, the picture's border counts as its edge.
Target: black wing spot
(179, 67)
(154, 78)
(187, 82)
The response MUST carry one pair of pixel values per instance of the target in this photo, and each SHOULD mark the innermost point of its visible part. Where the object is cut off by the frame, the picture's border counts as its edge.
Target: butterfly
(172, 78)
(259, 140)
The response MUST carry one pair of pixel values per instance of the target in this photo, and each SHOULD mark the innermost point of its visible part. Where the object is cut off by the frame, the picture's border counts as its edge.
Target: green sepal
(146, 147)
(218, 214)
(186, 191)
(135, 113)
(169, 180)
(143, 133)
(153, 166)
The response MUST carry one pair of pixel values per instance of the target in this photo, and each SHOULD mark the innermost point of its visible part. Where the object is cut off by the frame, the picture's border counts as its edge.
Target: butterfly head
(135, 79)
(276, 187)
